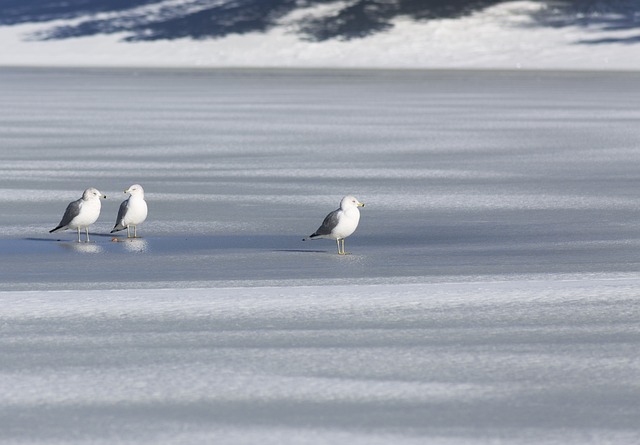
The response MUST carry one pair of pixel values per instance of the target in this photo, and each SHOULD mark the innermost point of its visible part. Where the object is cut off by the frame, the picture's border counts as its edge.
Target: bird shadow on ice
(133, 245)
(83, 247)
(300, 251)
(40, 245)
(329, 252)
(158, 245)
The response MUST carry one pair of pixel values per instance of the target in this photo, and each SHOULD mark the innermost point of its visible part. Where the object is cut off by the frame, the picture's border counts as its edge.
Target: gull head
(135, 189)
(92, 193)
(349, 202)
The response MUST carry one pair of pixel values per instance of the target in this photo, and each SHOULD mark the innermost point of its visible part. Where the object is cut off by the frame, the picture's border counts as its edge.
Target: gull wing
(73, 210)
(330, 222)
(121, 213)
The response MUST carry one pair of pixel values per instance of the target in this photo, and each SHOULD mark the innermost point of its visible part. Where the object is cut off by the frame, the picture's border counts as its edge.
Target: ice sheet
(494, 173)
(501, 307)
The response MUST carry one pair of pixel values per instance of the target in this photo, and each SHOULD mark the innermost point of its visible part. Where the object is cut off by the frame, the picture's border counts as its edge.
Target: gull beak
(104, 196)
(126, 191)
(361, 204)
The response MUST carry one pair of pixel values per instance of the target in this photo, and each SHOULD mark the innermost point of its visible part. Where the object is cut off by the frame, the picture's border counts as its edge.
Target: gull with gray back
(81, 213)
(340, 223)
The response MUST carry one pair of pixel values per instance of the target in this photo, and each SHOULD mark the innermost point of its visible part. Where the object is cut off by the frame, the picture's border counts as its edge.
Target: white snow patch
(502, 36)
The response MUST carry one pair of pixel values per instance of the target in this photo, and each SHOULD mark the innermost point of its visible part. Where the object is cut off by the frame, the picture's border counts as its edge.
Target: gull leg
(338, 242)
(135, 231)
(128, 232)
(343, 251)
(86, 229)
(78, 234)
(341, 247)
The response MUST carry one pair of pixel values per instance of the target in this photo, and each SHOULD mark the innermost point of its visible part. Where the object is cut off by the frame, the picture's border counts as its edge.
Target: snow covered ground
(546, 362)
(490, 297)
(507, 35)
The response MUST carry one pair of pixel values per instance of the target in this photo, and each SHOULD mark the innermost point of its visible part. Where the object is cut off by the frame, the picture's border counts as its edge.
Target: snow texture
(347, 34)
(476, 363)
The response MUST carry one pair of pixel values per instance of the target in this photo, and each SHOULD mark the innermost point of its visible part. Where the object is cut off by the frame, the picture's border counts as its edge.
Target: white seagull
(133, 211)
(81, 213)
(340, 223)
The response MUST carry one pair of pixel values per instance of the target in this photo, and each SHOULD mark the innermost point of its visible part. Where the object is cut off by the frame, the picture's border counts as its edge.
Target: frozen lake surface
(463, 174)
(490, 297)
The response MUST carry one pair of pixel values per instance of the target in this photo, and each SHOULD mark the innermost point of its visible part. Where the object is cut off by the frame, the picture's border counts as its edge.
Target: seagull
(81, 213)
(133, 211)
(340, 223)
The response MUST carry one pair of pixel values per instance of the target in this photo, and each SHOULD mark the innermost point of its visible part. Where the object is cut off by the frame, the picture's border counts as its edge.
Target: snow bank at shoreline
(504, 36)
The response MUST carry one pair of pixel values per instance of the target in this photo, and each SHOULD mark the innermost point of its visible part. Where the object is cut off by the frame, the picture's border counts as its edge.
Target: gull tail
(118, 227)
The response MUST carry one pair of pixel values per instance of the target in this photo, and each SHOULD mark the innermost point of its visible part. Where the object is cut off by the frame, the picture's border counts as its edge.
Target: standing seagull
(81, 213)
(340, 223)
(133, 211)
